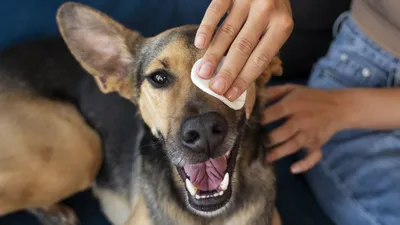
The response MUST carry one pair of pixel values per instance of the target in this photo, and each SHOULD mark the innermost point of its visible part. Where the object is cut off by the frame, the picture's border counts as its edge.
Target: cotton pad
(204, 84)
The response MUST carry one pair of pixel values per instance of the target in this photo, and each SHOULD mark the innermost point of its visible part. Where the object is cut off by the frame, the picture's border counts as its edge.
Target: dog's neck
(154, 154)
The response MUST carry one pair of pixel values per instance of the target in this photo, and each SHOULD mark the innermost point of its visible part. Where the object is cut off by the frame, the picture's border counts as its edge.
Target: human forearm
(371, 108)
(314, 115)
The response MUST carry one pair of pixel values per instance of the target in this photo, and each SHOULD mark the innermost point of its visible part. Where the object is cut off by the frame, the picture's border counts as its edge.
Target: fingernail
(232, 94)
(218, 85)
(296, 169)
(205, 71)
(200, 40)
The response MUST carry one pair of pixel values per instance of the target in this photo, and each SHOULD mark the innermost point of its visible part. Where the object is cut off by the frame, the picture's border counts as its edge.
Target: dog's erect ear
(105, 48)
(274, 69)
(250, 100)
(256, 90)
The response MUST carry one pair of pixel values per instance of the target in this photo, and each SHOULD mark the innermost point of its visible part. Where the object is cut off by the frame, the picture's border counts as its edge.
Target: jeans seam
(338, 23)
(361, 60)
(347, 191)
(346, 19)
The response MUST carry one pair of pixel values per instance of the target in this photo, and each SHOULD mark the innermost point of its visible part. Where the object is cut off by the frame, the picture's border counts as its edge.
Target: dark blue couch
(27, 20)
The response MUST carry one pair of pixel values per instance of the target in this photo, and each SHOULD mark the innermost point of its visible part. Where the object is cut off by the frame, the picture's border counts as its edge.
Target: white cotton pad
(203, 84)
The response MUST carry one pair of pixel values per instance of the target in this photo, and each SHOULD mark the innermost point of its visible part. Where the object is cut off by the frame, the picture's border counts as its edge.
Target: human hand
(255, 30)
(312, 116)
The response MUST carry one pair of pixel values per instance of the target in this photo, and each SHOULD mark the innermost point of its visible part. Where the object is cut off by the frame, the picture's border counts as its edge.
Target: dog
(47, 150)
(196, 161)
(171, 153)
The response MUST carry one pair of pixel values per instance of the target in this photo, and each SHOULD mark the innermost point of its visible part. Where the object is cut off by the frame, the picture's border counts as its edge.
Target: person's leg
(358, 179)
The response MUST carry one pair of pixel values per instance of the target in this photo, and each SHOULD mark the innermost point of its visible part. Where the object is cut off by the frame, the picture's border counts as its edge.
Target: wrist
(370, 108)
(347, 109)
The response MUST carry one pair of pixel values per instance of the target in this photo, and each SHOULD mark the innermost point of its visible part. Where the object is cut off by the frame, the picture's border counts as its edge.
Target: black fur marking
(59, 216)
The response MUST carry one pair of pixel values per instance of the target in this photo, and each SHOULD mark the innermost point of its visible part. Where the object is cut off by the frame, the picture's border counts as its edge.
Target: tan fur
(108, 78)
(276, 219)
(250, 100)
(153, 101)
(274, 69)
(116, 207)
(49, 147)
(239, 219)
(140, 214)
(256, 90)
(162, 109)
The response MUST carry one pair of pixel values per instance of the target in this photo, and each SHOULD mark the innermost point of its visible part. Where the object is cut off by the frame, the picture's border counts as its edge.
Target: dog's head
(200, 133)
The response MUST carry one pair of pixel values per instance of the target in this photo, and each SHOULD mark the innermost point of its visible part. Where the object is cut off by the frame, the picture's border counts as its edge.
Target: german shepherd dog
(189, 159)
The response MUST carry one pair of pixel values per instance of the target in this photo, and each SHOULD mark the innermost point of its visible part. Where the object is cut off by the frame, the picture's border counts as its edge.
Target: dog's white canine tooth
(216, 194)
(220, 193)
(191, 188)
(198, 197)
(225, 182)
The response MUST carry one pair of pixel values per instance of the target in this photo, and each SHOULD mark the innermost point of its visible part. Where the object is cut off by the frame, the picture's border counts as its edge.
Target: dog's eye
(159, 79)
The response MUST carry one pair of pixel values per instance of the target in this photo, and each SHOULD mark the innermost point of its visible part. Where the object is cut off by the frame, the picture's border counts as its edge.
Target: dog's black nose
(204, 133)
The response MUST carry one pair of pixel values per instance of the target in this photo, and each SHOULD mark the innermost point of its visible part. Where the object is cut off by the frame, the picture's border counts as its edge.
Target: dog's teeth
(198, 197)
(225, 182)
(191, 188)
(220, 193)
(216, 194)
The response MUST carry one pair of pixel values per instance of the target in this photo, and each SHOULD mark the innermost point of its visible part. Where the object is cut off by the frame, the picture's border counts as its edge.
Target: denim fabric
(358, 180)
(295, 201)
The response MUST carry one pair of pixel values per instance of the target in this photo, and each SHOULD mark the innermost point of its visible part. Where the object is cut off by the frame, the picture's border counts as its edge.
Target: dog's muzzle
(208, 184)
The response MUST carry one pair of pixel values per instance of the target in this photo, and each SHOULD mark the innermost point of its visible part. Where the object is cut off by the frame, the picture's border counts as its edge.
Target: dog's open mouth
(208, 184)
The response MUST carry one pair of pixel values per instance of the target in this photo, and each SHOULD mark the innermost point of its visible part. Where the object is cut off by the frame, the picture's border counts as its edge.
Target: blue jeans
(358, 180)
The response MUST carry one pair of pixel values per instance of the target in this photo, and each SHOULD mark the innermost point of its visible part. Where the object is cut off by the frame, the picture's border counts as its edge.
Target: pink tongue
(208, 175)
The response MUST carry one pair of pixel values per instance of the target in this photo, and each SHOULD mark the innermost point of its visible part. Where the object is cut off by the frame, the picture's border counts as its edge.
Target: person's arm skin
(255, 30)
(313, 116)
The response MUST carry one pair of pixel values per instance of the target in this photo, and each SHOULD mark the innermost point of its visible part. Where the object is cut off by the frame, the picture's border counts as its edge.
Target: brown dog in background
(47, 151)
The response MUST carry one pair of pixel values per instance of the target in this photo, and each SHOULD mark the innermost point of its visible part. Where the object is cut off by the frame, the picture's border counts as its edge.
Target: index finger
(310, 161)
(275, 92)
(269, 45)
(274, 112)
(215, 11)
